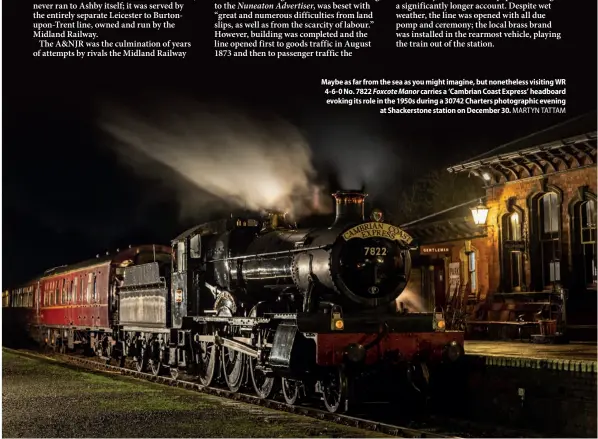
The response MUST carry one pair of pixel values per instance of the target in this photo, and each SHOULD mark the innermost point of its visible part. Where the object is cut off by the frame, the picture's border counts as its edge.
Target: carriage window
(94, 288)
(63, 300)
(89, 286)
(74, 292)
(195, 247)
(181, 257)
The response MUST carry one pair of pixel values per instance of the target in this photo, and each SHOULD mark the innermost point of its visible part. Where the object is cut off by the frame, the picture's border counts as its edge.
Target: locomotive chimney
(350, 206)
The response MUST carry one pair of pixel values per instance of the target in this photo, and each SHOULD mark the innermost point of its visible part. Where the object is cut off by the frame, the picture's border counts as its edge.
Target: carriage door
(179, 283)
(70, 300)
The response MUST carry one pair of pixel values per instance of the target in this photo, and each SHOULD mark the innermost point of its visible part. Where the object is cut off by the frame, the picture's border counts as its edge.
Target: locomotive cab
(186, 266)
(194, 281)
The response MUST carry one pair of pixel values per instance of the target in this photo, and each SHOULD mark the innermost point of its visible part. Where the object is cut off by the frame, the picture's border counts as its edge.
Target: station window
(469, 264)
(549, 238)
(473, 274)
(587, 228)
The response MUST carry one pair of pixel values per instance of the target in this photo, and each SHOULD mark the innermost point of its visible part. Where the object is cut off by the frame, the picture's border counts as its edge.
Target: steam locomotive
(257, 301)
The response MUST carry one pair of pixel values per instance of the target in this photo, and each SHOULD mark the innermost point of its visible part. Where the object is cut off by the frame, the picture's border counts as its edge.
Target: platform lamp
(480, 214)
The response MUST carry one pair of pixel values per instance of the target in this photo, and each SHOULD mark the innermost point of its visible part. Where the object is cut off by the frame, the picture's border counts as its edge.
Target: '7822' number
(375, 251)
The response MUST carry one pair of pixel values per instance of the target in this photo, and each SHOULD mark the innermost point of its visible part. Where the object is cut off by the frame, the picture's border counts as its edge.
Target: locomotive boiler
(361, 267)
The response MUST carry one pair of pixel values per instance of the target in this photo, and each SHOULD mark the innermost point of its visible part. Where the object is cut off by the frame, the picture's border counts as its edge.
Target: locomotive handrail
(282, 252)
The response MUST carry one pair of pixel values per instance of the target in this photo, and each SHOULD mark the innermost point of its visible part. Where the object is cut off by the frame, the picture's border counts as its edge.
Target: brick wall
(556, 402)
(487, 248)
(568, 182)
(484, 258)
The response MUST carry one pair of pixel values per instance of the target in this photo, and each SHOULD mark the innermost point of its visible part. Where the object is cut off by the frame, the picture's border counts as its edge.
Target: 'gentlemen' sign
(378, 230)
(434, 249)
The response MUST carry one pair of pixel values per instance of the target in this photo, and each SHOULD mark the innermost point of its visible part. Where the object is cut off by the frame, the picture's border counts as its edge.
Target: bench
(514, 315)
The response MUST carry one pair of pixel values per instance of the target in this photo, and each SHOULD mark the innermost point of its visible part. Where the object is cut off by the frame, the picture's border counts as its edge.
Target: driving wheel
(263, 384)
(290, 391)
(207, 362)
(335, 390)
(233, 368)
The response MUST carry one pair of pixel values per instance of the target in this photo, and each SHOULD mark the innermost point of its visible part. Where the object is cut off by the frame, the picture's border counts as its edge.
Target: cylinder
(350, 207)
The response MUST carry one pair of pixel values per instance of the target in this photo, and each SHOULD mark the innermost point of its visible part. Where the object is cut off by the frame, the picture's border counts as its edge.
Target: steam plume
(254, 164)
(358, 158)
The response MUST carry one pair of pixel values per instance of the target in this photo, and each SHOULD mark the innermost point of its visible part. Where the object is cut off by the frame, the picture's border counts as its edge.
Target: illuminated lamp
(377, 215)
(480, 214)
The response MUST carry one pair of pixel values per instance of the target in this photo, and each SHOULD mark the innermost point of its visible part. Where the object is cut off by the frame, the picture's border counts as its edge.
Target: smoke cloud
(237, 159)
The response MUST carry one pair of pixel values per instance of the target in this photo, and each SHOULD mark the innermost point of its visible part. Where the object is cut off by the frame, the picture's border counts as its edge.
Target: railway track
(98, 365)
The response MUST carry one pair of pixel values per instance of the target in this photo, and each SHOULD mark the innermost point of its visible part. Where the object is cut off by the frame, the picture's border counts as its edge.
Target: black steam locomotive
(258, 301)
(251, 300)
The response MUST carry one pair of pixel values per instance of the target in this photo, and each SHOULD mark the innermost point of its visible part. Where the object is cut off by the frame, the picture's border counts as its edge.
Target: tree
(434, 192)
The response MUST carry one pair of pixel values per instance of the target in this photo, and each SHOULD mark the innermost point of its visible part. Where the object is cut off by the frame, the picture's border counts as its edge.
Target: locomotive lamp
(480, 214)
(377, 215)
(337, 323)
(439, 322)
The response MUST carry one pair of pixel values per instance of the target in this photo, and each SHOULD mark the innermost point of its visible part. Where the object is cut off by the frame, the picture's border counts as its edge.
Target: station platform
(546, 388)
(574, 357)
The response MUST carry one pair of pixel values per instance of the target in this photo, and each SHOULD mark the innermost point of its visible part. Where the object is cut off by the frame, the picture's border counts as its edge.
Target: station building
(520, 262)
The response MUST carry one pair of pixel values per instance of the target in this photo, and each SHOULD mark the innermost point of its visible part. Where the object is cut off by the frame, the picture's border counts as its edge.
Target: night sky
(68, 194)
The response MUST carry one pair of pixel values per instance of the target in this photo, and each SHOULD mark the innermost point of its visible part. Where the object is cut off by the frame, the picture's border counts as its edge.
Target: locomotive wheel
(155, 367)
(290, 391)
(263, 385)
(154, 360)
(141, 359)
(208, 363)
(335, 391)
(233, 368)
(108, 351)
